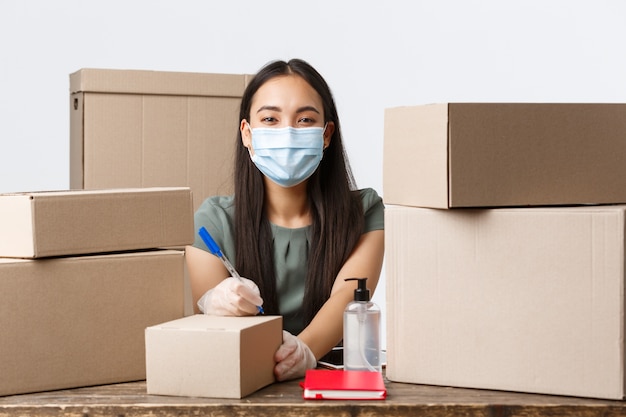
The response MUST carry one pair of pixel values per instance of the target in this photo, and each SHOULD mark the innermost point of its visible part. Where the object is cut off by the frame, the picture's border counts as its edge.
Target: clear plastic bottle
(361, 332)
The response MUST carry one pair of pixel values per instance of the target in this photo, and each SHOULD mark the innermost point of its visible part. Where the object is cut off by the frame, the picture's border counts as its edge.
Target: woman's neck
(287, 207)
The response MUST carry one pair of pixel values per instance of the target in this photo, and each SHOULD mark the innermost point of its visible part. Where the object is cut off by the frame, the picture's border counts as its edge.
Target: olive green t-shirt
(291, 247)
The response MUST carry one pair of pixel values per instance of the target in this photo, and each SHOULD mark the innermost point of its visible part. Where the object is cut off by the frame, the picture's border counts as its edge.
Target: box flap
(214, 323)
(75, 193)
(157, 82)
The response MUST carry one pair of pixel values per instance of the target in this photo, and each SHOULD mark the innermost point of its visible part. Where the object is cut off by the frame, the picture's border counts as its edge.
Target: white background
(374, 55)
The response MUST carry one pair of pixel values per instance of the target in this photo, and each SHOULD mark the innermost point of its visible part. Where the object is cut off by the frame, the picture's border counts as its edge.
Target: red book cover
(323, 384)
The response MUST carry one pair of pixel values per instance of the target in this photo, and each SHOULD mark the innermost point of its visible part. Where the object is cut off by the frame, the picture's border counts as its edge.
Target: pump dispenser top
(361, 293)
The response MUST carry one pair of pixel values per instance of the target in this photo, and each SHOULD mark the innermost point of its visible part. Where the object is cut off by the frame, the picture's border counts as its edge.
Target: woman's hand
(231, 297)
(293, 358)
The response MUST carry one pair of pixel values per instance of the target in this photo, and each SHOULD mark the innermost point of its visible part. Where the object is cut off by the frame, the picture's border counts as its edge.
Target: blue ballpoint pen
(215, 250)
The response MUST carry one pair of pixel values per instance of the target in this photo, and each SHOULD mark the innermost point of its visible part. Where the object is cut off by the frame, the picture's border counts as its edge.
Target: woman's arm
(205, 272)
(366, 260)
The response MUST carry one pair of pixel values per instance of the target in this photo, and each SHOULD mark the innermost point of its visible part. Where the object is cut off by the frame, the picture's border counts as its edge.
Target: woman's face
(286, 100)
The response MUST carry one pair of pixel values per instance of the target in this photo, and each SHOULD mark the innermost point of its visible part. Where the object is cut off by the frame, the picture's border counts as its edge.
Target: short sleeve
(374, 210)
(216, 215)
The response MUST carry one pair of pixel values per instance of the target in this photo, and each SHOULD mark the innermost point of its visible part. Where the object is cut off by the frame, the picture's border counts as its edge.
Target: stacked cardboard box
(81, 277)
(505, 246)
(135, 128)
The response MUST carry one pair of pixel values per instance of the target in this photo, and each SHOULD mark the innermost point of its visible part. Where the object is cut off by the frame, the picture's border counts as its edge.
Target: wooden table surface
(285, 400)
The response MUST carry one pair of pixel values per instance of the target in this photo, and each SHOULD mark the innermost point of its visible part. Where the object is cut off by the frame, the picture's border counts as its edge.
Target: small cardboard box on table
(454, 155)
(516, 299)
(77, 321)
(57, 223)
(212, 356)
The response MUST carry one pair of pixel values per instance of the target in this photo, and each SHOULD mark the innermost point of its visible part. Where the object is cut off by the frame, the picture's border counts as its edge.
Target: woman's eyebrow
(278, 109)
(271, 108)
(307, 108)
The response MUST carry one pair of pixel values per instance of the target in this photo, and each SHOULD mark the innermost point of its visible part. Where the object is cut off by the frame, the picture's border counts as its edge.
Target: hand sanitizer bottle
(361, 331)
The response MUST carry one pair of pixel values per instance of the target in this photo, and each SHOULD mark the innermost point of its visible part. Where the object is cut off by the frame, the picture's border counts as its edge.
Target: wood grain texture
(285, 400)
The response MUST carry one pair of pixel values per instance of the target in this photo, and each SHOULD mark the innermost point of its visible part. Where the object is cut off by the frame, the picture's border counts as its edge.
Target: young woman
(296, 226)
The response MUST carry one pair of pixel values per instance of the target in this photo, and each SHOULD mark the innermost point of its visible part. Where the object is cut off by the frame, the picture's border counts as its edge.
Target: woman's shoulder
(216, 213)
(216, 207)
(373, 209)
(370, 198)
(218, 203)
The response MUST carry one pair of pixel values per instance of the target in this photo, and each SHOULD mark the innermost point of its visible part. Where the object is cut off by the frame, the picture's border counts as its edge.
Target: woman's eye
(269, 119)
(306, 121)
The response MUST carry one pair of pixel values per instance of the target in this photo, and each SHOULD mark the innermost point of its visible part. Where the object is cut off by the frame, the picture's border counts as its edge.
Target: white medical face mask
(287, 155)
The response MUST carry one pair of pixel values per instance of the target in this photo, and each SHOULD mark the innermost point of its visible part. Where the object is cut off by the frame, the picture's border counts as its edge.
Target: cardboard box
(55, 223)
(133, 128)
(79, 321)
(212, 356)
(504, 154)
(527, 299)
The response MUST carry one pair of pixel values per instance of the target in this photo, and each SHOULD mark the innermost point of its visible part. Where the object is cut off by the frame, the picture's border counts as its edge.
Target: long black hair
(335, 206)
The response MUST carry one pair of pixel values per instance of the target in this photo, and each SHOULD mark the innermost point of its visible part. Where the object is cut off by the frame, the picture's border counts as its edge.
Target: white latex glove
(232, 297)
(293, 358)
